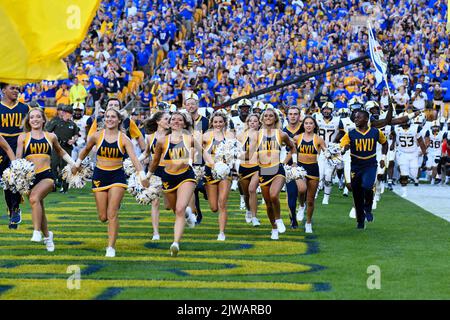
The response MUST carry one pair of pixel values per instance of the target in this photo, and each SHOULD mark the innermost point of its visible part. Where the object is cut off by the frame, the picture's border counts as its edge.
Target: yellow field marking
(134, 245)
(57, 288)
(240, 267)
(38, 269)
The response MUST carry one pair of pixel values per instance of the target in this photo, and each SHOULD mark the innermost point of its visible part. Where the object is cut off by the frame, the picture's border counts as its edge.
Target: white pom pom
(199, 172)
(134, 187)
(145, 196)
(228, 151)
(78, 181)
(128, 167)
(19, 176)
(294, 173)
(220, 171)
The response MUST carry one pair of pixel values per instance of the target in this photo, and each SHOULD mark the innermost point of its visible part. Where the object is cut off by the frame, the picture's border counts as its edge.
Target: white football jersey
(328, 129)
(346, 124)
(81, 123)
(406, 140)
(239, 126)
(435, 146)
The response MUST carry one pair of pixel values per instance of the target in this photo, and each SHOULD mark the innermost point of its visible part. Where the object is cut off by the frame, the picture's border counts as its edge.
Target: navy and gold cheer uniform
(105, 176)
(364, 165)
(211, 149)
(176, 153)
(160, 170)
(247, 170)
(268, 147)
(39, 148)
(310, 148)
(11, 120)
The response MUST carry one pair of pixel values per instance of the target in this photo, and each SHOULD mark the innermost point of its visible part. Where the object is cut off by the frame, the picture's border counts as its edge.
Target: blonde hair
(218, 113)
(26, 121)
(247, 126)
(277, 118)
(119, 115)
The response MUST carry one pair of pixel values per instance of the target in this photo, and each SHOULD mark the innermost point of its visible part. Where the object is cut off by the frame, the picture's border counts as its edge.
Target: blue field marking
(3, 289)
(313, 247)
(109, 293)
(178, 272)
(92, 268)
(321, 287)
(195, 246)
(74, 243)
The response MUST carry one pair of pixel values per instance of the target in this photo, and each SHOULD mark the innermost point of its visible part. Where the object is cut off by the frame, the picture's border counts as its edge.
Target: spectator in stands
(62, 95)
(96, 93)
(77, 92)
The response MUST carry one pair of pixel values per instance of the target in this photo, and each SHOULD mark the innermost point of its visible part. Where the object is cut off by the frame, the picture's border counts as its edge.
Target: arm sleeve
(134, 130)
(345, 140)
(341, 125)
(381, 138)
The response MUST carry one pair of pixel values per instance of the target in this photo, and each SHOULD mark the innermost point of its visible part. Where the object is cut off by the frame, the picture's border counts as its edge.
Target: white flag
(377, 56)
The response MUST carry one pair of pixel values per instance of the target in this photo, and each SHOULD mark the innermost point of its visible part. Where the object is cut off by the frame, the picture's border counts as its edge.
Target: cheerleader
(249, 169)
(36, 145)
(216, 190)
(178, 179)
(271, 171)
(308, 146)
(109, 181)
(157, 127)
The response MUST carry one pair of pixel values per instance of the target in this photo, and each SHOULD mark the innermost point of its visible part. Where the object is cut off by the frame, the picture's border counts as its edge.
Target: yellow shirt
(78, 94)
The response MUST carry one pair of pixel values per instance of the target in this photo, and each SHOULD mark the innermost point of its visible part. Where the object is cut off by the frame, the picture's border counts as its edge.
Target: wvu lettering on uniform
(178, 153)
(109, 152)
(363, 149)
(307, 149)
(36, 148)
(11, 120)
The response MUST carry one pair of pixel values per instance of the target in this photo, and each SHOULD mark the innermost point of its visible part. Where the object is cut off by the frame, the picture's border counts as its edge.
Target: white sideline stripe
(435, 199)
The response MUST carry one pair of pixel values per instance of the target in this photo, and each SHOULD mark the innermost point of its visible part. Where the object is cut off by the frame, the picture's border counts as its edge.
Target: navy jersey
(201, 124)
(11, 122)
(131, 128)
(291, 134)
(363, 146)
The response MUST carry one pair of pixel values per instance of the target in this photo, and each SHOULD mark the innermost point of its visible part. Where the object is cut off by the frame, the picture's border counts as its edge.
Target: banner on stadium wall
(35, 36)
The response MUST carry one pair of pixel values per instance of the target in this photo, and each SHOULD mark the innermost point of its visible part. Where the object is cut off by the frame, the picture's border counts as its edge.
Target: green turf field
(410, 246)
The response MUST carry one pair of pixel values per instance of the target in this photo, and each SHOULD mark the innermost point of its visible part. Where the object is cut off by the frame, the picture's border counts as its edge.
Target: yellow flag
(35, 36)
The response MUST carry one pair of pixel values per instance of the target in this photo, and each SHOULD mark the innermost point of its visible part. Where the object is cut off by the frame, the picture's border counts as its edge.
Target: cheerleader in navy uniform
(217, 190)
(249, 169)
(271, 172)
(176, 152)
(35, 145)
(157, 127)
(308, 145)
(109, 180)
(12, 113)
